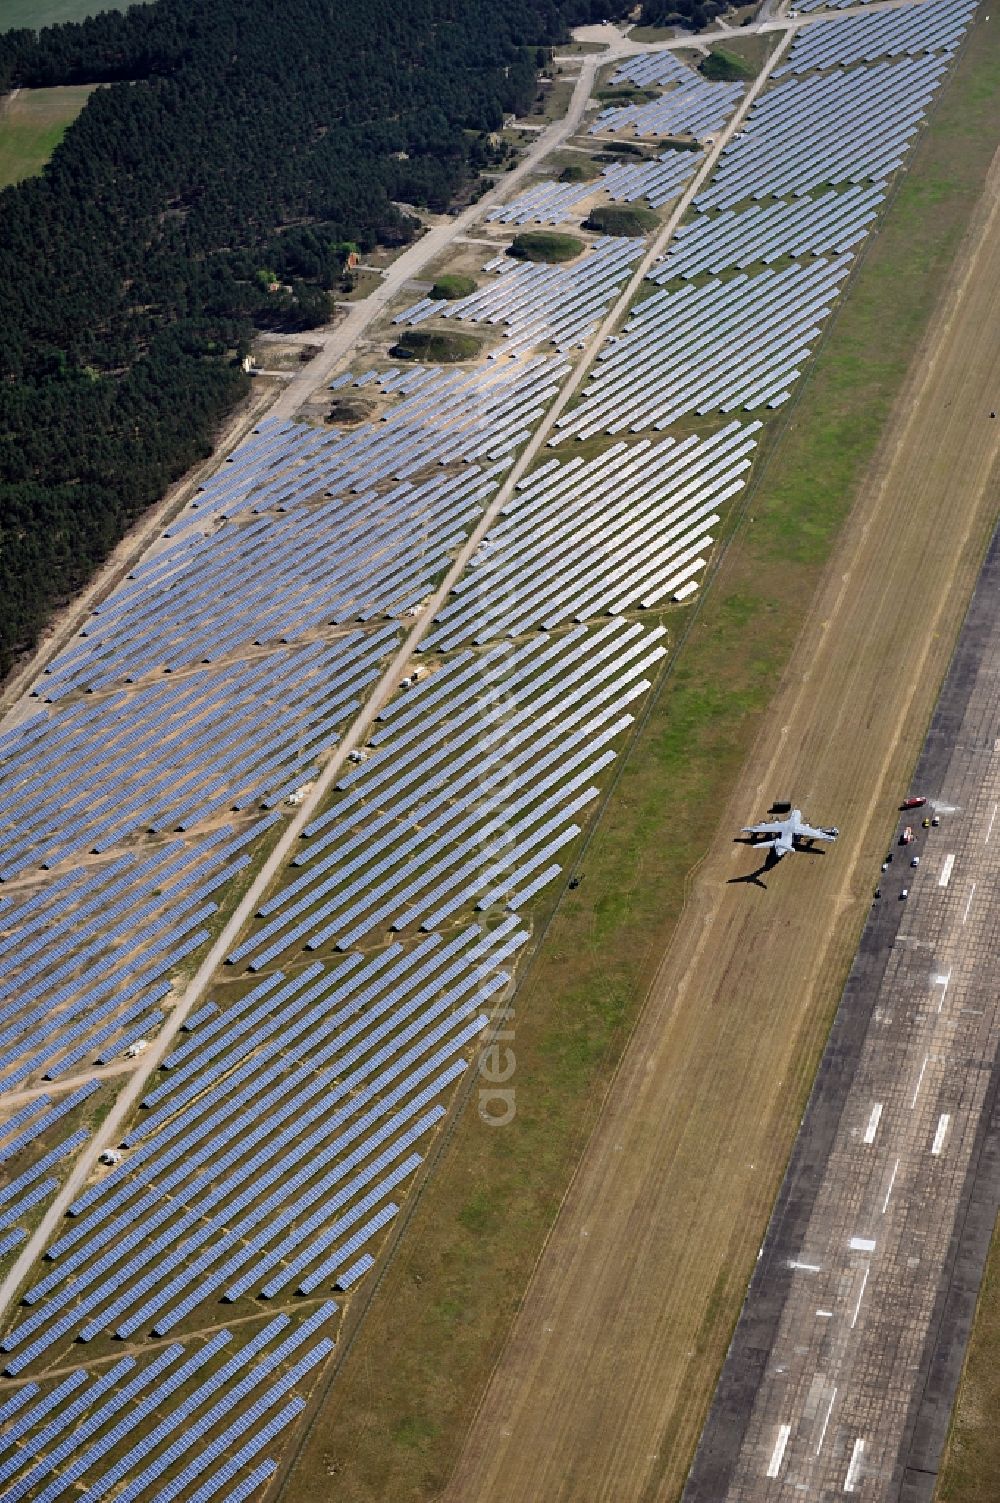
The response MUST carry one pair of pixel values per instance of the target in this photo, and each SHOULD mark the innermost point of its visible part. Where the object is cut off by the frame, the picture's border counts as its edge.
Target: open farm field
(39, 13)
(737, 1062)
(32, 123)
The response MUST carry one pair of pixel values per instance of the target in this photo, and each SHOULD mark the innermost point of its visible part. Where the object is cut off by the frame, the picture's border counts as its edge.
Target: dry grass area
(32, 123)
(972, 1459)
(602, 1370)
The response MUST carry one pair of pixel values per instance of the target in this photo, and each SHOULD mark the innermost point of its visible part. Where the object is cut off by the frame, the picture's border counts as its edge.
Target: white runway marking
(989, 830)
(873, 1122)
(892, 1181)
(861, 1295)
(829, 1411)
(825, 1314)
(806, 1267)
(774, 1465)
(939, 1136)
(920, 1077)
(942, 982)
(855, 1466)
(968, 904)
(862, 1244)
(946, 870)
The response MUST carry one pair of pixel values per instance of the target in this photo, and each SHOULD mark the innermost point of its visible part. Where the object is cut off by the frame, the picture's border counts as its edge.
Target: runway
(843, 1369)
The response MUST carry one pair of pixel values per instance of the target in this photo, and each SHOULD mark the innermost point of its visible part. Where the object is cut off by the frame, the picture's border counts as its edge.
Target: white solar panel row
(715, 347)
(831, 222)
(695, 108)
(545, 203)
(927, 26)
(652, 68)
(537, 303)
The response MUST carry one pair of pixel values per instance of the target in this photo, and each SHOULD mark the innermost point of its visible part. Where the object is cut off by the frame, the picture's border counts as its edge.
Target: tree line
(237, 144)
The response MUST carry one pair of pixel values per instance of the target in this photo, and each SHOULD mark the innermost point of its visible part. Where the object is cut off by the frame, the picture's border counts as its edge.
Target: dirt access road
(602, 1389)
(340, 341)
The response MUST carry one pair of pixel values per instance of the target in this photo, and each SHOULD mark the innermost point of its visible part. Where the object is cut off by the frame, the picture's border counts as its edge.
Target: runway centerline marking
(968, 902)
(946, 869)
(943, 982)
(916, 1090)
(892, 1181)
(942, 1130)
(861, 1295)
(989, 829)
(829, 1411)
(855, 1466)
(873, 1122)
(774, 1465)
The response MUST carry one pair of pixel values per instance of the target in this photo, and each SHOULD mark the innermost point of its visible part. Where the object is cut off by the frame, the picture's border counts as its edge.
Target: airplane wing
(811, 833)
(779, 845)
(773, 829)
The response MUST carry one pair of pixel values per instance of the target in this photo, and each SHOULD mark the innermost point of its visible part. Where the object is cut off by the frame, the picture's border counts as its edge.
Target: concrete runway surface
(843, 1370)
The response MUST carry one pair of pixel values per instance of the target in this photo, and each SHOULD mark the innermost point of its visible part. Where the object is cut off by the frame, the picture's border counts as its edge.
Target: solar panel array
(86, 960)
(651, 69)
(174, 753)
(715, 347)
(271, 1144)
(174, 1412)
(582, 539)
(831, 222)
(740, 340)
(32, 1169)
(546, 203)
(871, 115)
(656, 180)
(694, 108)
(275, 1144)
(14, 1192)
(928, 26)
(464, 809)
(540, 303)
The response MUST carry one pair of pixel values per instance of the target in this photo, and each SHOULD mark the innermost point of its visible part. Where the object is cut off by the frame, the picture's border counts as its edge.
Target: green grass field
(32, 123)
(39, 13)
(752, 50)
(406, 1391)
(541, 245)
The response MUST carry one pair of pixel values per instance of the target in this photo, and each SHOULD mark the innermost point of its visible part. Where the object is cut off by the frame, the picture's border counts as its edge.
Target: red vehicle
(913, 803)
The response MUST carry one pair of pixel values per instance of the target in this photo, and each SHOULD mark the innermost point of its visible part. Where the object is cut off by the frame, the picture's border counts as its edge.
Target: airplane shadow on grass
(755, 878)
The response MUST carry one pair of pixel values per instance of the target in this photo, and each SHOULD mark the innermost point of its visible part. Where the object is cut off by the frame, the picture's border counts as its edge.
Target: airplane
(786, 832)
